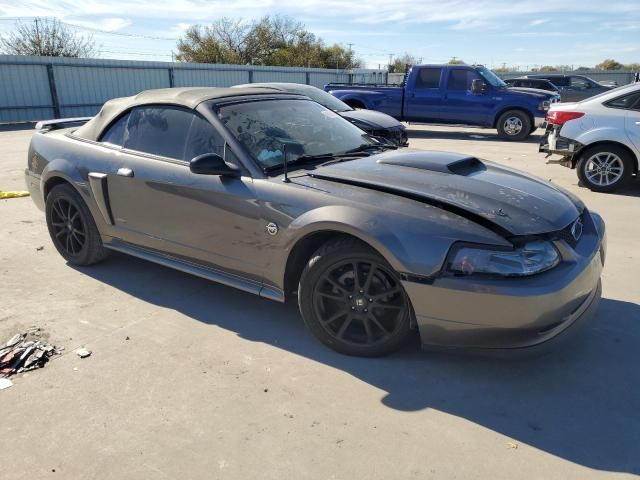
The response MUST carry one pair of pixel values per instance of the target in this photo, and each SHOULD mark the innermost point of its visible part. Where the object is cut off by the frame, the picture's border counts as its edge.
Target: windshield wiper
(307, 159)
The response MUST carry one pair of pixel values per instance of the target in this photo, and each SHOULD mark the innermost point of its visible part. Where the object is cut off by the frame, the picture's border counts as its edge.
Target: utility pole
(38, 42)
(350, 54)
(390, 60)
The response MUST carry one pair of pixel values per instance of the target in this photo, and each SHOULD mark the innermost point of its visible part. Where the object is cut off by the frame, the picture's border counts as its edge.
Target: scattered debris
(83, 352)
(513, 445)
(40, 248)
(24, 352)
(266, 390)
(127, 338)
(14, 194)
(5, 383)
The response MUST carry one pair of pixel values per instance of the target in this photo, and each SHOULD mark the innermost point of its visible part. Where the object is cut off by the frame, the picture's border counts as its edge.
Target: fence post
(53, 91)
(172, 82)
(307, 78)
(250, 76)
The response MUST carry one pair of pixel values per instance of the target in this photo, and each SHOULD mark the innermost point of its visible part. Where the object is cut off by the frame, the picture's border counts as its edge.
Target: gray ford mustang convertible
(274, 194)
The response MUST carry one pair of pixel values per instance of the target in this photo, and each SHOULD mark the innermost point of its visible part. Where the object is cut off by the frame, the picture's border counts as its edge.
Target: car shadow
(467, 134)
(15, 127)
(579, 403)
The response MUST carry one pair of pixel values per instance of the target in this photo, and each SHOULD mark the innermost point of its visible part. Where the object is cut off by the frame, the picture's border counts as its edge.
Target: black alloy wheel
(357, 303)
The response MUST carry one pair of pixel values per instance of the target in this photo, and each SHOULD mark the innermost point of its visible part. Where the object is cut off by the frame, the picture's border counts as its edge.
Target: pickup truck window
(428, 77)
(491, 77)
(159, 131)
(580, 83)
(460, 79)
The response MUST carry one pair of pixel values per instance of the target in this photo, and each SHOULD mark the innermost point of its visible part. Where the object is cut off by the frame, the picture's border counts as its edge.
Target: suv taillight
(558, 117)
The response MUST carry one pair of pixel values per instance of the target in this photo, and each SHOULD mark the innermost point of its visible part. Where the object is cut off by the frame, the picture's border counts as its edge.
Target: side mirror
(477, 86)
(212, 164)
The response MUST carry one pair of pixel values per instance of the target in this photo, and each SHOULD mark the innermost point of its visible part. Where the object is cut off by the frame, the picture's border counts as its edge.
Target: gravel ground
(189, 379)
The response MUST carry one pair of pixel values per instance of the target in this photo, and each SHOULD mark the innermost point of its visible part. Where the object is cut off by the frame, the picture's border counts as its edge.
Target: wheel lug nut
(361, 291)
(365, 310)
(371, 300)
(350, 296)
(353, 308)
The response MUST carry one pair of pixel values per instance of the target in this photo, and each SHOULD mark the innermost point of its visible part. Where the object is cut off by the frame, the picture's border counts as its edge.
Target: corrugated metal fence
(39, 88)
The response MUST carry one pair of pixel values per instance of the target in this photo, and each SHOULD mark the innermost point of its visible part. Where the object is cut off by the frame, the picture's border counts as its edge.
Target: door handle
(125, 172)
(638, 123)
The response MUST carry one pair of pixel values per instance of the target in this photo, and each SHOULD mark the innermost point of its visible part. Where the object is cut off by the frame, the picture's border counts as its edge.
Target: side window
(460, 79)
(203, 138)
(159, 130)
(631, 101)
(559, 81)
(580, 83)
(117, 133)
(428, 78)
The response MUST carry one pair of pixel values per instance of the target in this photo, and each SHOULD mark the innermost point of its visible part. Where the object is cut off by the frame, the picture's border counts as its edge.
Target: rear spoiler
(47, 125)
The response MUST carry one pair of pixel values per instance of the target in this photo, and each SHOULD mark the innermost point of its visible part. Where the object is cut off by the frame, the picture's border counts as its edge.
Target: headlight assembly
(534, 257)
(545, 105)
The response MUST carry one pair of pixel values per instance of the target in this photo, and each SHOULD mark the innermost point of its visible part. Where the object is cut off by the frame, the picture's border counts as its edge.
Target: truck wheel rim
(68, 227)
(604, 169)
(513, 126)
(359, 302)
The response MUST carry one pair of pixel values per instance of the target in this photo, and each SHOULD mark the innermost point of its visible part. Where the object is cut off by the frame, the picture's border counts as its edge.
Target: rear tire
(72, 228)
(514, 125)
(605, 168)
(353, 301)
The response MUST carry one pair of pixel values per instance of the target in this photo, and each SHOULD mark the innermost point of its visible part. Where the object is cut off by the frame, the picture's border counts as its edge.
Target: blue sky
(492, 32)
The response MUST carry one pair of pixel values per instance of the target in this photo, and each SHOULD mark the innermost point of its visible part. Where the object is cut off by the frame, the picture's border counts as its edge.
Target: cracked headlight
(534, 257)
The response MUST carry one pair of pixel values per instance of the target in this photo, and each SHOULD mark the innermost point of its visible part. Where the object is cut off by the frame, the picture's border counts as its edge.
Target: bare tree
(49, 38)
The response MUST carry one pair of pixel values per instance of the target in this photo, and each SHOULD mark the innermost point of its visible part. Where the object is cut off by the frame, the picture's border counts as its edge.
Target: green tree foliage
(276, 40)
(49, 38)
(398, 64)
(610, 64)
(456, 61)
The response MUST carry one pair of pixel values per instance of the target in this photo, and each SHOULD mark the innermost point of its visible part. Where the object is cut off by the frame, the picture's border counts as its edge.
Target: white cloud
(539, 21)
(107, 24)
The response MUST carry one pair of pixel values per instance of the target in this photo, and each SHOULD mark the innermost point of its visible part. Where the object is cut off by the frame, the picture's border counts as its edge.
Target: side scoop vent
(442, 162)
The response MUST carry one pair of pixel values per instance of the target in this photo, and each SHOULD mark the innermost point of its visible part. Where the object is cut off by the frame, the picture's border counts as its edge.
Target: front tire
(72, 228)
(514, 125)
(605, 168)
(352, 300)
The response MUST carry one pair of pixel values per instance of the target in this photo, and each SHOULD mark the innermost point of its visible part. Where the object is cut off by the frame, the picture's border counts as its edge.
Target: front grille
(567, 235)
(396, 135)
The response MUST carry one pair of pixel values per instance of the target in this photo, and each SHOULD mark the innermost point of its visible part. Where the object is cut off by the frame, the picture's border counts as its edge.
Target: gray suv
(573, 88)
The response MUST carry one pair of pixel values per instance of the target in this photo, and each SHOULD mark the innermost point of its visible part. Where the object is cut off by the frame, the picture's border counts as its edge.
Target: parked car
(573, 88)
(599, 136)
(374, 123)
(453, 94)
(274, 194)
(537, 83)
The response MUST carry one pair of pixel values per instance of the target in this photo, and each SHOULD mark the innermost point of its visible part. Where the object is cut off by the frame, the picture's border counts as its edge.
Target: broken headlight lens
(534, 257)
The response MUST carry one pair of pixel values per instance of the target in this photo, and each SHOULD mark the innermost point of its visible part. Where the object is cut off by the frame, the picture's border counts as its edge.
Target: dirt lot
(189, 379)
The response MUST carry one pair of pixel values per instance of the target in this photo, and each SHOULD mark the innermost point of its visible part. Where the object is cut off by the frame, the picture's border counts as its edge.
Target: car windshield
(491, 77)
(268, 128)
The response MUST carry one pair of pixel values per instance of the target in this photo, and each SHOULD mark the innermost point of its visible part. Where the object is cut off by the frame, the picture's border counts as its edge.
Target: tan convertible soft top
(185, 97)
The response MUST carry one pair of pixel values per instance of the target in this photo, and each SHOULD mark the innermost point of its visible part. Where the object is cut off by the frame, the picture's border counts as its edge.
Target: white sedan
(599, 136)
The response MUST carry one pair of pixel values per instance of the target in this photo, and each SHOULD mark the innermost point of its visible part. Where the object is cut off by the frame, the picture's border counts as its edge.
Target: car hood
(533, 92)
(371, 117)
(505, 200)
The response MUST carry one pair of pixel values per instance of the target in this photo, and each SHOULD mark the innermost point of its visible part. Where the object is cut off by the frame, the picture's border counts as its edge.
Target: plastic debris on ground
(14, 194)
(24, 352)
(83, 352)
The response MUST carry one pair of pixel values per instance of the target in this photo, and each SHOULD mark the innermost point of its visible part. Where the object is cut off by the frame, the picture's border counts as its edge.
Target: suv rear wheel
(605, 168)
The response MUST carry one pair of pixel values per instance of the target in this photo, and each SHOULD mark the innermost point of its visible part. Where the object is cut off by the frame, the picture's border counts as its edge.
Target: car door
(461, 105)
(157, 202)
(424, 96)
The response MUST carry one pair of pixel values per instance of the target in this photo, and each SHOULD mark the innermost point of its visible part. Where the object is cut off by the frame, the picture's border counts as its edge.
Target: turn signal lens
(558, 117)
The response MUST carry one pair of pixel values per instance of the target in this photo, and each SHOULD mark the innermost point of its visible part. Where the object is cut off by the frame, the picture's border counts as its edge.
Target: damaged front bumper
(513, 313)
(553, 143)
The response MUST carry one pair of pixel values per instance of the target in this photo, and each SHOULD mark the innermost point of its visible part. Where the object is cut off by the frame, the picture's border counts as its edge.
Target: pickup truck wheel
(605, 168)
(71, 227)
(514, 125)
(352, 300)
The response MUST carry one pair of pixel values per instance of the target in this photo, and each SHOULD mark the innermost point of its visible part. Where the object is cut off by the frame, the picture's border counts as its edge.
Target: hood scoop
(442, 162)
